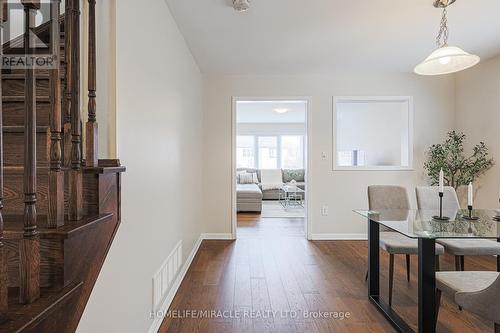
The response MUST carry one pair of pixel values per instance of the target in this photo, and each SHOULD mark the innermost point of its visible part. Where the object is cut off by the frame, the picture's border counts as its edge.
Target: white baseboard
(217, 236)
(177, 283)
(339, 237)
(224, 236)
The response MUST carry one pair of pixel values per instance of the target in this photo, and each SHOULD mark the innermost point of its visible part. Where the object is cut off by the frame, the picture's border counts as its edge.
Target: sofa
(249, 196)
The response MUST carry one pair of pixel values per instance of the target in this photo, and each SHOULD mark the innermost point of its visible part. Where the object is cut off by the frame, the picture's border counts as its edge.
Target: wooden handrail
(56, 176)
(4, 298)
(75, 175)
(91, 128)
(29, 289)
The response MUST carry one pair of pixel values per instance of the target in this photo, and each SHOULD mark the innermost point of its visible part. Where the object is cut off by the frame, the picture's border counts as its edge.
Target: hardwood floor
(272, 267)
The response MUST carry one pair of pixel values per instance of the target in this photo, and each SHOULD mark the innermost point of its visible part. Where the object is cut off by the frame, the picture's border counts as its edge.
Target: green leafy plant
(458, 168)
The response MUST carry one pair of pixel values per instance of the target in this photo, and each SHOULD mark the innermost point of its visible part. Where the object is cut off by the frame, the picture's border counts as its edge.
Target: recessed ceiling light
(241, 5)
(281, 110)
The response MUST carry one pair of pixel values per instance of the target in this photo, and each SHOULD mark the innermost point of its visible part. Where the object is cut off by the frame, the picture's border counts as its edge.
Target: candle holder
(470, 217)
(497, 215)
(441, 217)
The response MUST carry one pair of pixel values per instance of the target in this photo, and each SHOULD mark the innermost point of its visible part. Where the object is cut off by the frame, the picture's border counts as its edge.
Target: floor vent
(163, 279)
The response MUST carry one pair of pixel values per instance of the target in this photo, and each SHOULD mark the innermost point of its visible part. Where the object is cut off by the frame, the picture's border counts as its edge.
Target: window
(292, 152)
(268, 152)
(245, 151)
(373, 133)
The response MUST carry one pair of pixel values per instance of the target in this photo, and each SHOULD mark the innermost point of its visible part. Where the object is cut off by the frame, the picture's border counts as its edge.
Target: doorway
(270, 178)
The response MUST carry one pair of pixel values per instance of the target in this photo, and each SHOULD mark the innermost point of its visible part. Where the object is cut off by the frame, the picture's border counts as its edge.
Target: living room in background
(270, 163)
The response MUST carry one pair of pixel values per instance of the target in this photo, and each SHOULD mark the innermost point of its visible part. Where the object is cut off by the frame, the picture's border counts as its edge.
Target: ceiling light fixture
(241, 5)
(281, 110)
(446, 59)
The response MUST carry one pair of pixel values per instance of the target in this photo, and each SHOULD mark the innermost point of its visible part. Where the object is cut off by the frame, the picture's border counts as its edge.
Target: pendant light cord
(442, 37)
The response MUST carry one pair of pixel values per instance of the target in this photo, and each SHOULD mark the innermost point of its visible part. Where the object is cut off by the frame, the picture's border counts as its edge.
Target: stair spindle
(75, 175)
(56, 176)
(92, 128)
(3, 258)
(68, 94)
(29, 289)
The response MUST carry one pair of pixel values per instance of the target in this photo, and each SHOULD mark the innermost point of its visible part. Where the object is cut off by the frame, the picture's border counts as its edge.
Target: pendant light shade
(447, 60)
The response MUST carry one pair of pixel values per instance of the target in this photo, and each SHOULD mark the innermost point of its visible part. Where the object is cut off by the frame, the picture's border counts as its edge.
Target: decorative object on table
(470, 203)
(441, 195)
(293, 182)
(497, 212)
(445, 59)
(459, 169)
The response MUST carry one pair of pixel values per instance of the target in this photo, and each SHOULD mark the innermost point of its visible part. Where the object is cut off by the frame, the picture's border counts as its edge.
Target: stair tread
(11, 99)
(13, 226)
(20, 129)
(20, 316)
(21, 76)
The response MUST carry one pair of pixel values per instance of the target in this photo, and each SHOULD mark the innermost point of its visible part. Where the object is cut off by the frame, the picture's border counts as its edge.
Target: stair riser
(15, 87)
(51, 262)
(14, 149)
(13, 113)
(14, 194)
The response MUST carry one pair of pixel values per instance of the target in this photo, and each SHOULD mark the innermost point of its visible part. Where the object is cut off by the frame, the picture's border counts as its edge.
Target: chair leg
(457, 263)
(497, 328)
(391, 277)
(366, 276)
(408, 262)
(438, 266)
(438, 303)
(462, 263)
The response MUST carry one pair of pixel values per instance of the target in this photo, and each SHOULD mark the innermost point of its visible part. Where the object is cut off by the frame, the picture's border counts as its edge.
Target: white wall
(342, 191)
(159, 135)
(478, 116)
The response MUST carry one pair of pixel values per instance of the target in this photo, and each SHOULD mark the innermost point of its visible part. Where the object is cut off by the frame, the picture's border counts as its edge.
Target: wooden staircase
(58, 212)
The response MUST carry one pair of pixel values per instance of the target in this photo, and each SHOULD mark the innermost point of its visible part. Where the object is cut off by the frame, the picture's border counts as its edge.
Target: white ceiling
(326, 36)
(264, 112)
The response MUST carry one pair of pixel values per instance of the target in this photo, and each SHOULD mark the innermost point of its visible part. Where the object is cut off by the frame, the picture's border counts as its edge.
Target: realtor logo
(20, 52)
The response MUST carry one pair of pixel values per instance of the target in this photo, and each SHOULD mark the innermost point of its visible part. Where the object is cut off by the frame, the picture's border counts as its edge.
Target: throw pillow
(246, 178)
(293, 174)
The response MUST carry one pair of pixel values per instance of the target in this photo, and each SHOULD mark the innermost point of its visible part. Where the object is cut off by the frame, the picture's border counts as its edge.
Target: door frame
(308, 178)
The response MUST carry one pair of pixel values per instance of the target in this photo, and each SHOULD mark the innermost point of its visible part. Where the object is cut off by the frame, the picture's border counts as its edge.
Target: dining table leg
(498, 258)
(373, 259)
(426, 285)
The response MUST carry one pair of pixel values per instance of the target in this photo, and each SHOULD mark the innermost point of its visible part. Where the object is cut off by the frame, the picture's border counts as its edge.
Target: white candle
(441, 181)
(470, 196)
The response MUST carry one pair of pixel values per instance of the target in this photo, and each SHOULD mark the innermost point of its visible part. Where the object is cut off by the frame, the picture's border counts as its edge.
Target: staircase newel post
(3, 259)
(56, 176)
(91, 126)
(29, 286)
(75, 175)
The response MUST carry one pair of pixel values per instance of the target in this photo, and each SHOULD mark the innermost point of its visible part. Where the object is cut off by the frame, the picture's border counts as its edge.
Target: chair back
(427, 198)
(382, 197)
(485, 303)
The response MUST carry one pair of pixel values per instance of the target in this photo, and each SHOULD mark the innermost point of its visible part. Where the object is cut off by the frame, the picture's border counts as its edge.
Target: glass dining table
(425, 227)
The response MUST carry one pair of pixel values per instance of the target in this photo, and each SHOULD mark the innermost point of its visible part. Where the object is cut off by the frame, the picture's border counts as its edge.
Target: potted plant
(459, 169)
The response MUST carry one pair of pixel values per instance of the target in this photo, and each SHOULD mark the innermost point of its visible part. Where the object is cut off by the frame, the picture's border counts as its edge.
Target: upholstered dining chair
(382, 197)
(427, 199)
(477, 292)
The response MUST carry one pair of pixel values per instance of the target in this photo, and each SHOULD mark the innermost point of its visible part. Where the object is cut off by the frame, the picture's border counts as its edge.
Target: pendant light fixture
(446, 59)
